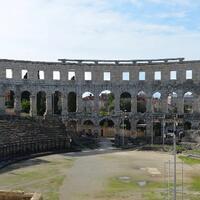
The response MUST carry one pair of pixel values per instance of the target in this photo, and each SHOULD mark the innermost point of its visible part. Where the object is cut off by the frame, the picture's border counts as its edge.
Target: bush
(25, 106)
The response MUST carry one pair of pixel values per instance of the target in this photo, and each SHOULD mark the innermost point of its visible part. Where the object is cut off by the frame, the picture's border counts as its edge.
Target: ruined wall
(96, 85)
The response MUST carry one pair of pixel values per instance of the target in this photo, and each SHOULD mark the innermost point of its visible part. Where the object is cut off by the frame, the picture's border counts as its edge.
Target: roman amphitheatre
(99, 129)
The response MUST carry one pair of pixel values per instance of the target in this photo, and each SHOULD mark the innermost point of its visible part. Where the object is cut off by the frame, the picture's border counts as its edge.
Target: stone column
(33, 105)
(2, 103)
(195, 105)
(79, 103)
(64, 104)
(117, 103)
(164, 107)
(96, 103)
(134, 104)
(49, 106)
(180, 105)
(17, 103)
(149, 105)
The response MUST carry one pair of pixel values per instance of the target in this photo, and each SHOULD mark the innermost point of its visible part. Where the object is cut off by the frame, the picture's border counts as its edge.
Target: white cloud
(47, 30)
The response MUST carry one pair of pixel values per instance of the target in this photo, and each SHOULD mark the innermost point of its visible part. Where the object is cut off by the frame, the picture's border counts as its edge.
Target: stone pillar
(17, 103)
(134, 104)
(149, 104)
(79, 103)
(164, 107)
(64, 101)
(180, 105)
(195, 105)
(2, 103)
(49, 110)
(33, 105)
(117, 103)
(96, 103)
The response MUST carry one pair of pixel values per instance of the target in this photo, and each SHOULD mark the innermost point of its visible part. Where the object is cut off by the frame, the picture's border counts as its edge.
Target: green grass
(195, 185)
(189, 160)
(45, 178)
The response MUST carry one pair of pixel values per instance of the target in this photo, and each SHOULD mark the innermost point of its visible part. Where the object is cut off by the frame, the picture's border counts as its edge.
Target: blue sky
(99, 29)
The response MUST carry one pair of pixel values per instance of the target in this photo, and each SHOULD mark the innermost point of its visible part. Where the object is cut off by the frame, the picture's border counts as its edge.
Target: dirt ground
(102, 174)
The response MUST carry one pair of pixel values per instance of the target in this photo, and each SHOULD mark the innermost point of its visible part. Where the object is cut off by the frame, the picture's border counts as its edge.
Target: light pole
(123, 131)
(174, 141)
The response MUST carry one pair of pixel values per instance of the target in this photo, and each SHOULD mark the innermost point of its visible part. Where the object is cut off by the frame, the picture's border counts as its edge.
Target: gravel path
(88, 177)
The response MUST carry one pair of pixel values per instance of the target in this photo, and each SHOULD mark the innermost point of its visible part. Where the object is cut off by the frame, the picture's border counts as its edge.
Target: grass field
(113, 176)
(44, 175)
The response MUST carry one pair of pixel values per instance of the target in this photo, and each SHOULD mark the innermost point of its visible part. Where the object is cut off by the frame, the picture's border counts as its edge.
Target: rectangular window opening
(125, 76)
(24, 74)
(142, 76)
(106, 76)
(188, 74)
(9, 73)
(88, 76)
(71, 76)
(41, 75)
(56, 75)
(157, 76)
(173, 75)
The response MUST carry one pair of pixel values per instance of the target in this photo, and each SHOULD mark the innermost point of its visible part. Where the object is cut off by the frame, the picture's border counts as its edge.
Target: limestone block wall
(164, 67)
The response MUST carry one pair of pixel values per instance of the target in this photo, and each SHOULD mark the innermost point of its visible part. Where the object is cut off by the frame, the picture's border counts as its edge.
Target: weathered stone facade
(179, 85)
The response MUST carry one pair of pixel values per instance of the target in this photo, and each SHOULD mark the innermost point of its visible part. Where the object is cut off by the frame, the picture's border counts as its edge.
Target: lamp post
(174, 141)
(123, 131)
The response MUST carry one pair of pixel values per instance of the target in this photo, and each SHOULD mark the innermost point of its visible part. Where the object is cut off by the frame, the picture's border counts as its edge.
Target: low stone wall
(19, 195)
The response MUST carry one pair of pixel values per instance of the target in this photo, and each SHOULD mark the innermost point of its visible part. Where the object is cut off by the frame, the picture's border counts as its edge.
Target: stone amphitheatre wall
(165, 76)
(18, 195)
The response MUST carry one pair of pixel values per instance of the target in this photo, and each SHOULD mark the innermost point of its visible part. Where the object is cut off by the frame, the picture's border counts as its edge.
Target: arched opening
(187, 126)
(157, 128)
(141, 102)
(125, 102)
(125, 124)
(72, 125)
(57, 103)
(25, 102)
(156, 102)
(88, 127)
(41, 103)
(107, 128)
(106, 102)
(72, 107)
(172, 102)
(188, 102)
(141, 128)
(88, 102)
(9, 101)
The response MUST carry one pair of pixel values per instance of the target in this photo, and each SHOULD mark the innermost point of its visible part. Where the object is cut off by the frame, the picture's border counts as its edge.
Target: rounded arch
(88, 123)
(25, 101)
(41, 103)
(88, 102)
(141, 102)
(106, 102)
(107, 128)
(9, 99)
(72, 104)
(141, 128)
(172, 102)
(156, 102)
(125, 102)
(125, 124)
(187, 126)
(57, 103)
(188, 102)
(157, 128)
(72, 125)
(106, 123)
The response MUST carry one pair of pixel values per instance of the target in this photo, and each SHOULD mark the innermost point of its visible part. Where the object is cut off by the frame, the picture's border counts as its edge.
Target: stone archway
(107, 128)
(41, 103)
